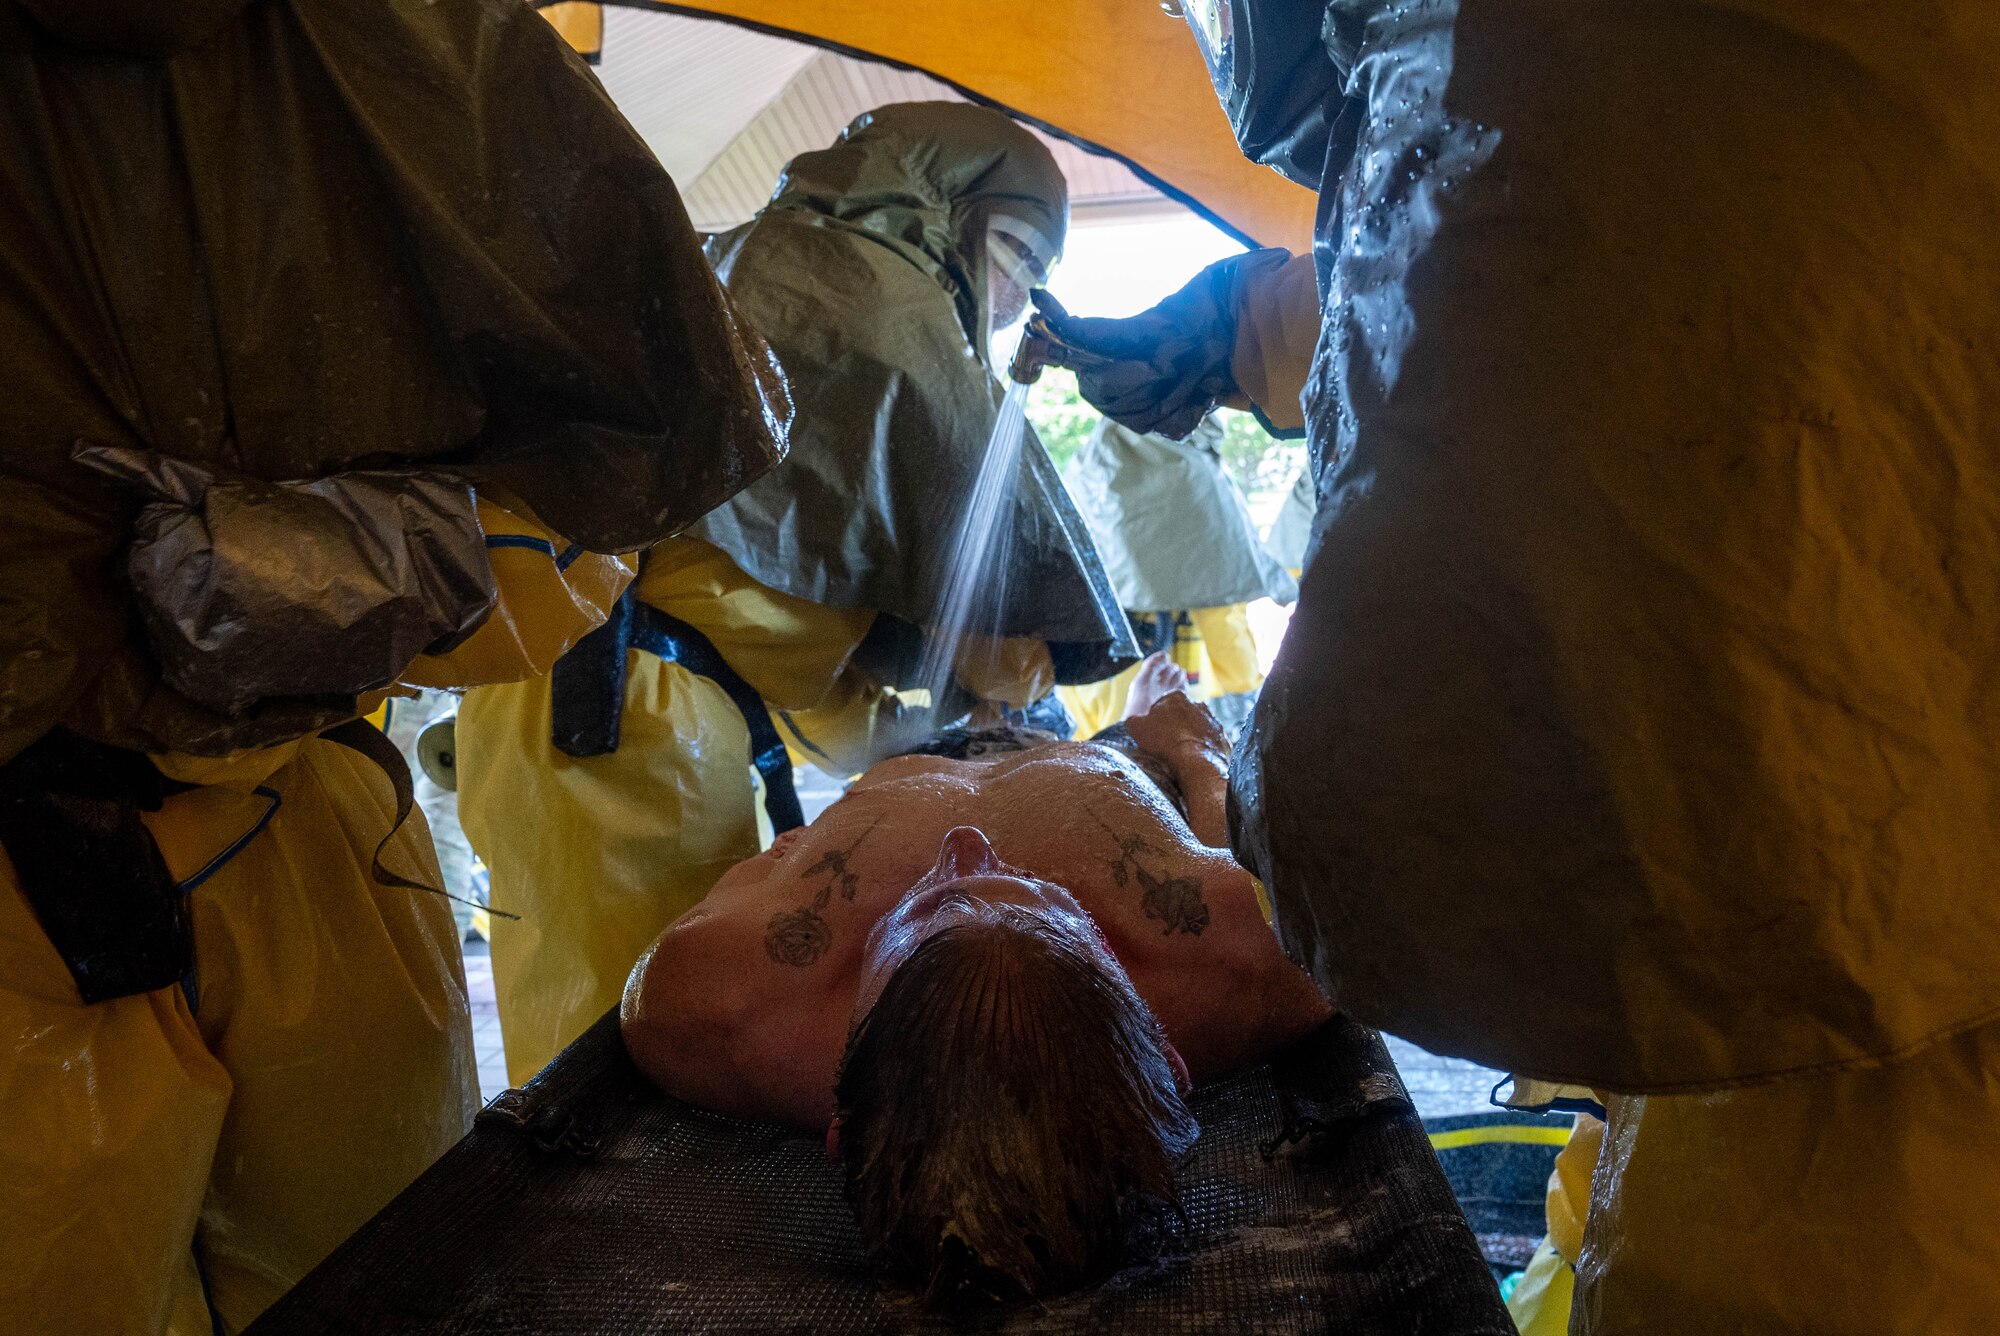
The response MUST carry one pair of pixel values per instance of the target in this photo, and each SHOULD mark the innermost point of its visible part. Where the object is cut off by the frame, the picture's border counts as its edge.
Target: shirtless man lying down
(991, 981)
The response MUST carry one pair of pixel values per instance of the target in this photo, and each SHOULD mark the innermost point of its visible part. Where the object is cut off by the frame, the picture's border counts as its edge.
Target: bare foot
(1158, 676)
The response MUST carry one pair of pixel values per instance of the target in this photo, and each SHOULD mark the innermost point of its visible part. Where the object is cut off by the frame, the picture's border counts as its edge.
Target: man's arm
(1187, 739)
(1240, 333)
(712, 1019)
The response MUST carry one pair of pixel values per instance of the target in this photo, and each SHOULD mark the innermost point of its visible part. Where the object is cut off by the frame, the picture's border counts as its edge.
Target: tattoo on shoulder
(1174, 901)
(800, 936)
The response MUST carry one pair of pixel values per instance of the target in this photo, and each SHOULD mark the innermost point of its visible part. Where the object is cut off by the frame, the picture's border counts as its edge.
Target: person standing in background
(608, 800)
(1182, 553)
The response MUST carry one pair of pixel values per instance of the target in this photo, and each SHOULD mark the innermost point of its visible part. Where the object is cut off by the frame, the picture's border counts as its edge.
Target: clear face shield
(1018, 259)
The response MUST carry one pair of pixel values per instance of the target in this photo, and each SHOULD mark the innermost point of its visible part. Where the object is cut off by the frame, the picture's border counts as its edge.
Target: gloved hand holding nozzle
(1162, 370)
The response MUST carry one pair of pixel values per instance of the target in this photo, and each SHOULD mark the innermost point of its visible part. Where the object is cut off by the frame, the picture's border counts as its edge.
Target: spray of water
(972, 588)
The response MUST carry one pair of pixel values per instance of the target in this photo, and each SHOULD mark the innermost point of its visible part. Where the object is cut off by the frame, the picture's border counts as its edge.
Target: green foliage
(1259, 462)
(1059, 415)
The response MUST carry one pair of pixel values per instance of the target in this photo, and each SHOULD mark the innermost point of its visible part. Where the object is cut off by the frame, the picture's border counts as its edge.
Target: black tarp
(589, 1202)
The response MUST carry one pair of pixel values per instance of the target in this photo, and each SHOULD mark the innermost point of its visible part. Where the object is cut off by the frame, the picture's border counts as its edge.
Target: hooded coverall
(1182, 553)
(1635, 726)
(596, 848)
(269, 249)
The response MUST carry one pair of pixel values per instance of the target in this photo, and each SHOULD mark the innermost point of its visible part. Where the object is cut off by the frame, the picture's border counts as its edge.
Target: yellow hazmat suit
(1214, 646)
(316, 1059)
(593, 855)
(316, 991)
(255, 541)
(1540, 1303)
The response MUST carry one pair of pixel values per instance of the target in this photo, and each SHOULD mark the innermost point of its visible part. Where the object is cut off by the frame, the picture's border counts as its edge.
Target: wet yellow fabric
(1540, 1303)
(98, 1226)
(853, 727)
(1223, 666)
(240, 770)
(1120, 75)
(311, 978)
(549, 596)
(1852, 1202)
(1014, 671)
(1569, 1186)
(596, 854)
(1229, 651)
(791, 650)
(1096, 706)
(328, 1062)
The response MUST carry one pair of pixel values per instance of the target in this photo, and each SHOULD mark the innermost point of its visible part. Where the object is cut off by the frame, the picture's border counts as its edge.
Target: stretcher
(589, 1202)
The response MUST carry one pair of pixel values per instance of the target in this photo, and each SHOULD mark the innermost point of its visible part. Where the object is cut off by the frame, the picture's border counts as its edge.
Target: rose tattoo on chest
(800, 936)
(1175, 902)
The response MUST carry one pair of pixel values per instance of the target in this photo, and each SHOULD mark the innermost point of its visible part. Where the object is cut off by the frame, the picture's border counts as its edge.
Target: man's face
(1012, 268)
(966, 874)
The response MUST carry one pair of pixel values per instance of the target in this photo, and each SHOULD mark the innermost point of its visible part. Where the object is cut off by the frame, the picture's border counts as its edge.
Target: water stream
(972, 590)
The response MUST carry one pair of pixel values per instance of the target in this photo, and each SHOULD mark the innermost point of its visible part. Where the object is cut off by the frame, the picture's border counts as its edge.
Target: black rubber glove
(1166, 368)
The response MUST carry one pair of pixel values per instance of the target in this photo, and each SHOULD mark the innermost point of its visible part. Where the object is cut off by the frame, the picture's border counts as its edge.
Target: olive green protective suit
(1170, 524)
(1637, 727)
(285, 240)
(867, 274)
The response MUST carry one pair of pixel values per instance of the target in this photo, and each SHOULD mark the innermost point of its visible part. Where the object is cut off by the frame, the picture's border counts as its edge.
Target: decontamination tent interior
(561, 1232)
(725, 93)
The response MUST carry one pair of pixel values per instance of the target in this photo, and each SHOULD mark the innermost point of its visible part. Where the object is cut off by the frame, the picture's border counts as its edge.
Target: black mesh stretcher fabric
(588, 1202)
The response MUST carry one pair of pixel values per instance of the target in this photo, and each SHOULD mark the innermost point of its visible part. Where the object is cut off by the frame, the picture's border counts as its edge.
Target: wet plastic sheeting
(682, 1220)
(251, 589)
(292, 238)
(1637, 726)
(1170, 525)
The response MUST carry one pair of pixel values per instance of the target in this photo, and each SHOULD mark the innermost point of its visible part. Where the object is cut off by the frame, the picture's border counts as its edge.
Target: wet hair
(1008, 1116)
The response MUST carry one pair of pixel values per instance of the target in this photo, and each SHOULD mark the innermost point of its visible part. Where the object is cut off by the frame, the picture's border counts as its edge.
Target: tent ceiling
(726, 107)
(1115, 75)
(691, 86)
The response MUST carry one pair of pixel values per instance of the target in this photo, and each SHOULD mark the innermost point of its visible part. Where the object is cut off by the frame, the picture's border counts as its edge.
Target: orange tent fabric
(1117, 75)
